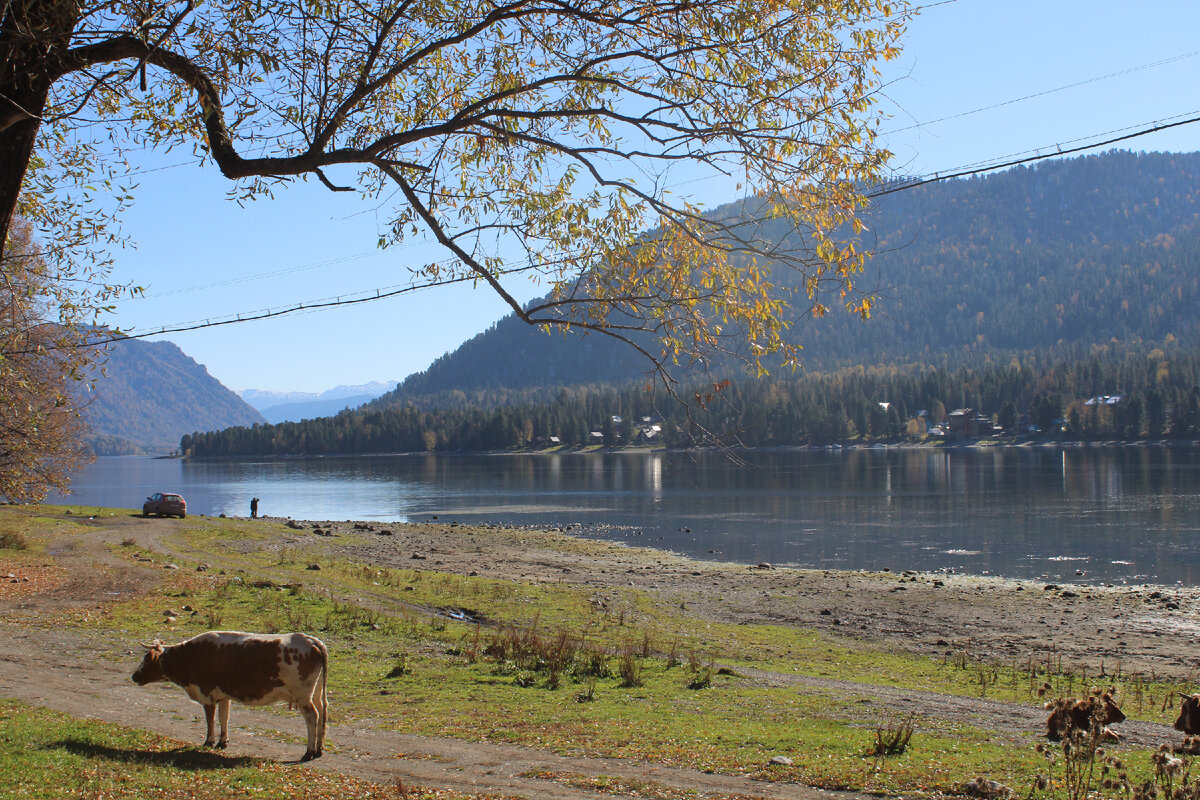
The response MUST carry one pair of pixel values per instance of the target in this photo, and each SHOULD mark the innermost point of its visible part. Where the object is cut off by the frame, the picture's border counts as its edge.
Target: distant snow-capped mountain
(295, 406)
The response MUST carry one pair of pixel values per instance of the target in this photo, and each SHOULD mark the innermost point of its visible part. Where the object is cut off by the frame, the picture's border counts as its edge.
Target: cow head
(1189, 714)
(1110, 713)
(150, 670)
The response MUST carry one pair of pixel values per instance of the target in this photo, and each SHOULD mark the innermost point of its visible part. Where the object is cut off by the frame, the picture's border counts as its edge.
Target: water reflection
(1113, 514)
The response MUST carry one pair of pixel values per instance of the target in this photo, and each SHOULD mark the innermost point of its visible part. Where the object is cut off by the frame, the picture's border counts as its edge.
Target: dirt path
(54, 669)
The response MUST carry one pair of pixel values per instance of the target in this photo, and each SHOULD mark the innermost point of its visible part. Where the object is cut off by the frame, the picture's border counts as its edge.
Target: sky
(978, 82)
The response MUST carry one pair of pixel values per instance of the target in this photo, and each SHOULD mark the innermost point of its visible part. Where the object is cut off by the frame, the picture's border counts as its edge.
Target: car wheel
(183, 516)
(145, 512)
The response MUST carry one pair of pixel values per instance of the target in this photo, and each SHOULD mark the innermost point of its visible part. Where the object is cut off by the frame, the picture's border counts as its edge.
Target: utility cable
(380, 294)
(902, 186)
(1035, 95)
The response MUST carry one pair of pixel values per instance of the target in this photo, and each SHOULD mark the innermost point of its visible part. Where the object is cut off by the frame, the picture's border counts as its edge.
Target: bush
(629, 668)
(13, 540)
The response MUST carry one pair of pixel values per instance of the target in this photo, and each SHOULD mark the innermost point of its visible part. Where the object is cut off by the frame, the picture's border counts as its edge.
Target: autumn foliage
(41, 361)
(563, 140)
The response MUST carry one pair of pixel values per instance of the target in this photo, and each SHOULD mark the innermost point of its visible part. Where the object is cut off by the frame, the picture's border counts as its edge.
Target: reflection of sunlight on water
(1073, 558)
(963, 552)
(475, 511)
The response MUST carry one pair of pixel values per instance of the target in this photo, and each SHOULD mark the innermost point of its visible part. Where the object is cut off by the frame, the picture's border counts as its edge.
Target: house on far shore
(967, 423)
(1104, 400)
(649, 432)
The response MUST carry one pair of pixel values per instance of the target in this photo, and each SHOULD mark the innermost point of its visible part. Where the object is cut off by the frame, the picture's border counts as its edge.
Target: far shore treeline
(1159, 390)
(1020, 295)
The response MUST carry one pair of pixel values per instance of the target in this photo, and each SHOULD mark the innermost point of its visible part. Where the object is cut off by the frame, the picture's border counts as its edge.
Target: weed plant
(12, 538)
(892, 739)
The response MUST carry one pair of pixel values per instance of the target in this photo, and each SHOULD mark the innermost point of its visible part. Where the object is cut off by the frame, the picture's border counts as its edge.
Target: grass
(638, 678)
(522, 685)
(44, 754)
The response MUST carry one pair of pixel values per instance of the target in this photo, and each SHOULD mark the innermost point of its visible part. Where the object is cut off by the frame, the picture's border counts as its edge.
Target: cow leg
(210, 710)
(309, 710)
(321, 699)
(223, 705)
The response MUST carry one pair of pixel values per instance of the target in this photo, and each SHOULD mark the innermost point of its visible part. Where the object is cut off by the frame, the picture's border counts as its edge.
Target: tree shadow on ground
(186, 758)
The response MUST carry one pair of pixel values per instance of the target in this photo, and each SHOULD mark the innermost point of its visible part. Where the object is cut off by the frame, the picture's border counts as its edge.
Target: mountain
(148, 394)
(295, 406)
(1064, 254)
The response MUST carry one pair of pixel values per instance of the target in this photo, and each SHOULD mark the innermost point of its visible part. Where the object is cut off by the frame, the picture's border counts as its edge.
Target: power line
(261, 275)
(901, 186)
(1045, 92)
(307, 306)
(381, 294)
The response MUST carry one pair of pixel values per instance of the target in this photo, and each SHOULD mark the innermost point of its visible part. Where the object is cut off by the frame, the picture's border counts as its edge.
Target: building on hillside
(649, 433)
(968, 423)
(1104, 400)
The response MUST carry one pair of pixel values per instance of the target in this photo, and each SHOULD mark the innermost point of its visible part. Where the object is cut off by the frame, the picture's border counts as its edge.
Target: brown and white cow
(1069, 714)
(1189, 714)
(217, 667)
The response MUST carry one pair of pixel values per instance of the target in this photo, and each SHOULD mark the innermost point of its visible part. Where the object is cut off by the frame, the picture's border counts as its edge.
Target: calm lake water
(1117, 514)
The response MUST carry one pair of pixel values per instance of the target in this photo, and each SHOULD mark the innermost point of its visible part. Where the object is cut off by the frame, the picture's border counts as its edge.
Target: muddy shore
(1134, 629)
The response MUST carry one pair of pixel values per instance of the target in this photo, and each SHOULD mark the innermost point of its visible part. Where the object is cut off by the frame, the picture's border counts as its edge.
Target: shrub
(13, 540)
(401, 668)
(629, 668)
(893, 739)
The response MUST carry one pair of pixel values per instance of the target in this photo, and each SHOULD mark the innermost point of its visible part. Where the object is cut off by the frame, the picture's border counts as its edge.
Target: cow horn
(1184, 696)
(155, 645)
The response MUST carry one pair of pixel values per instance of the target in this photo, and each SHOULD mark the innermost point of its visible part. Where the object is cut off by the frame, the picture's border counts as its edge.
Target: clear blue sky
(201, 256)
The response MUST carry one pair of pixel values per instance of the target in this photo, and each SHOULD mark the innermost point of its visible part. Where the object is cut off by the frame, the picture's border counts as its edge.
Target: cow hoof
(208, 743)
(309, 756)
(221, 745)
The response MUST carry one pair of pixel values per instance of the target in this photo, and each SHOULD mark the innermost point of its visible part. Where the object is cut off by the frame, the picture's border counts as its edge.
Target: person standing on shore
(253, 508)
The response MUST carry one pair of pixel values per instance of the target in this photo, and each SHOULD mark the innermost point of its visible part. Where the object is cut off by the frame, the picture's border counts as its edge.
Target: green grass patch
(44, 754)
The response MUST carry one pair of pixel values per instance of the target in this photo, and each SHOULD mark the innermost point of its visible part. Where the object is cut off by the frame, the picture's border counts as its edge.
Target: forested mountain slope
(1043, 258)
(151, 393)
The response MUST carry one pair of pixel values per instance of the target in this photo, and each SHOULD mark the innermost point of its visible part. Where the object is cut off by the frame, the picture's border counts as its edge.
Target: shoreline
(1145, 629)
(980, 444)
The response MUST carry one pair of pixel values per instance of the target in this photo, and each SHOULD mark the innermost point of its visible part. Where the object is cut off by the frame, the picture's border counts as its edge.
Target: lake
(1113, 514)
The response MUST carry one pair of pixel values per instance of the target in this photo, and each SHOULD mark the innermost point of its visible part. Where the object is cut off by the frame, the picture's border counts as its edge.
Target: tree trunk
(33, 35)
(16, 148)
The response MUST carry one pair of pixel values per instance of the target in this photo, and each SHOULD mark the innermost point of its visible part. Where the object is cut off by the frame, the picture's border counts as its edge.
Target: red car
(163, 503)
